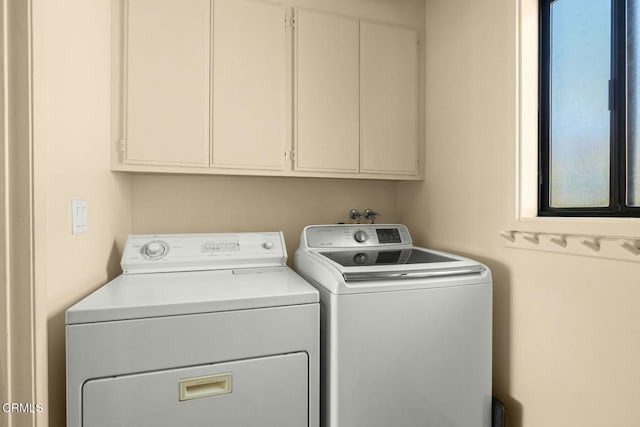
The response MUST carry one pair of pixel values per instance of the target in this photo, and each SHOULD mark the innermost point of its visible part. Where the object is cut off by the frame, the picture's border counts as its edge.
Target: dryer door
(267, 391)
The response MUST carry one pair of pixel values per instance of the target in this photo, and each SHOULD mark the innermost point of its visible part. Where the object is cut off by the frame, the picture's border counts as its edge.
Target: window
(589, 108)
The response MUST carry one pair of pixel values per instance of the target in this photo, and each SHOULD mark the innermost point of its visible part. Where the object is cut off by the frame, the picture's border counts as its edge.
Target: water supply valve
(371, 215)
(355, 215)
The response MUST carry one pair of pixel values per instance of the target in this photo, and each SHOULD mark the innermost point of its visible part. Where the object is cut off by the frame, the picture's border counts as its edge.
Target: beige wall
(566, 335)
(71, 138)
(184, 204)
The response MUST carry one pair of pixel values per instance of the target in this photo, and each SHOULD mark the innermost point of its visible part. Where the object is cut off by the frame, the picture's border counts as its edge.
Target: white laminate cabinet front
(166, 89)
(250, 76)
(253, 87)
(389, 99)
(326, 92)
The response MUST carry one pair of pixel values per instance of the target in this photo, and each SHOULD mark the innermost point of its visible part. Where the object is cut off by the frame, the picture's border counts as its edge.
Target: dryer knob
(361, 236)
(155, 249)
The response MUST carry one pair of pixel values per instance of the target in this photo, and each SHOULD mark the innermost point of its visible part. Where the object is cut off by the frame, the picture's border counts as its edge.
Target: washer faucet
(355, 215)
(371, 215)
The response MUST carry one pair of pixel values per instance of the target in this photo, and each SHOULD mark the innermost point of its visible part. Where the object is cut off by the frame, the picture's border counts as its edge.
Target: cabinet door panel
(327, 133)
(389, 99)
(249, 85)
(167, 76)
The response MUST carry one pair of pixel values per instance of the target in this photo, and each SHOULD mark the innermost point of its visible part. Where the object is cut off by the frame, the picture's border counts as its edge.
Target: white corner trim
(527, 108)
(22, 328)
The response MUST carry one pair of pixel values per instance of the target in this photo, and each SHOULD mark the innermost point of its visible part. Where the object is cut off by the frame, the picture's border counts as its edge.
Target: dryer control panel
(355, 235)
(160, 253)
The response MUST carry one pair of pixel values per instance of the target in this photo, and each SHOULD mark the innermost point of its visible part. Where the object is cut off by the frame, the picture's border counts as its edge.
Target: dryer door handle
(195, 388)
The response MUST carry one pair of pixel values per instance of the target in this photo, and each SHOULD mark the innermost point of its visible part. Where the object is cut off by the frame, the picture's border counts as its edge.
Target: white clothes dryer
(199, 330)
(405, 331)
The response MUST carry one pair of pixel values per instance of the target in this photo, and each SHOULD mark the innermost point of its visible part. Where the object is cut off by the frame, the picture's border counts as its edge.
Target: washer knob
(361, 236)
(360, 259)
(268, 244)
(154, 249)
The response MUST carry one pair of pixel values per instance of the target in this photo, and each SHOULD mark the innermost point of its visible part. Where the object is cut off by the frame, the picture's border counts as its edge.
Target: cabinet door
(167, 74)
(326, 92)
(389, 99)
(249, 85)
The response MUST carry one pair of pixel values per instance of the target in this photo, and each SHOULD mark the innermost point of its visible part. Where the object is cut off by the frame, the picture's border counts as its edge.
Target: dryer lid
(141, 296)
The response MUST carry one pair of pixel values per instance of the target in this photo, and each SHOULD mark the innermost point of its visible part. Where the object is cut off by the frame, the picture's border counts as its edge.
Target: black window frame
(617, 106)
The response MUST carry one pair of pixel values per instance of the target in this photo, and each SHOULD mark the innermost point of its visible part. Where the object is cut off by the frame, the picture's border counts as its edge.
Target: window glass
(633, 103)
(580, 120)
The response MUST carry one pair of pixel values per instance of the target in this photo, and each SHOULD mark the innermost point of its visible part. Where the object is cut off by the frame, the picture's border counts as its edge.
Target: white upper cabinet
(258, 87)
(326, 130)
(250, 110)
(165, 112)
(389, 99)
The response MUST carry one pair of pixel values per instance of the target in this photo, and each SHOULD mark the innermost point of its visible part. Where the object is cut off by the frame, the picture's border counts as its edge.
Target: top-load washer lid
(399, 263)
(197, 273)
(386, 257)
(354, 258)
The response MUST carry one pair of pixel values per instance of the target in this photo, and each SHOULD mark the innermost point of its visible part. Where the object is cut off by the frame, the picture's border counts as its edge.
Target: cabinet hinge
(123, 147)
(290, 154)
(289, 21)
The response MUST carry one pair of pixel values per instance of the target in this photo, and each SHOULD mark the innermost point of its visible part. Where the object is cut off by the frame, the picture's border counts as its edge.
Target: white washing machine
(405, 331)
(199, 330)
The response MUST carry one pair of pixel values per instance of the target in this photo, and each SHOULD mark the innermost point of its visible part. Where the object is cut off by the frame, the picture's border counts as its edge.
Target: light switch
(78, 216)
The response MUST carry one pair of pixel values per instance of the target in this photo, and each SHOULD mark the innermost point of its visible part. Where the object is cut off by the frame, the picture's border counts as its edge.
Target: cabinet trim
(182, 170)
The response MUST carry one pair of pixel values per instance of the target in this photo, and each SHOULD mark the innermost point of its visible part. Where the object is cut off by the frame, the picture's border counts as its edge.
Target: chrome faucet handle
(355, 215)
(371, 215)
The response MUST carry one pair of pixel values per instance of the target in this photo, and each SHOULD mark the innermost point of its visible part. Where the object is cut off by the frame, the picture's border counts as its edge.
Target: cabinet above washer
(249, 87)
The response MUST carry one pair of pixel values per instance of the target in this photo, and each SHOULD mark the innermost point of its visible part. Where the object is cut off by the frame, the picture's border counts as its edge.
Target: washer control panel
(157, 253)
(355, 235)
